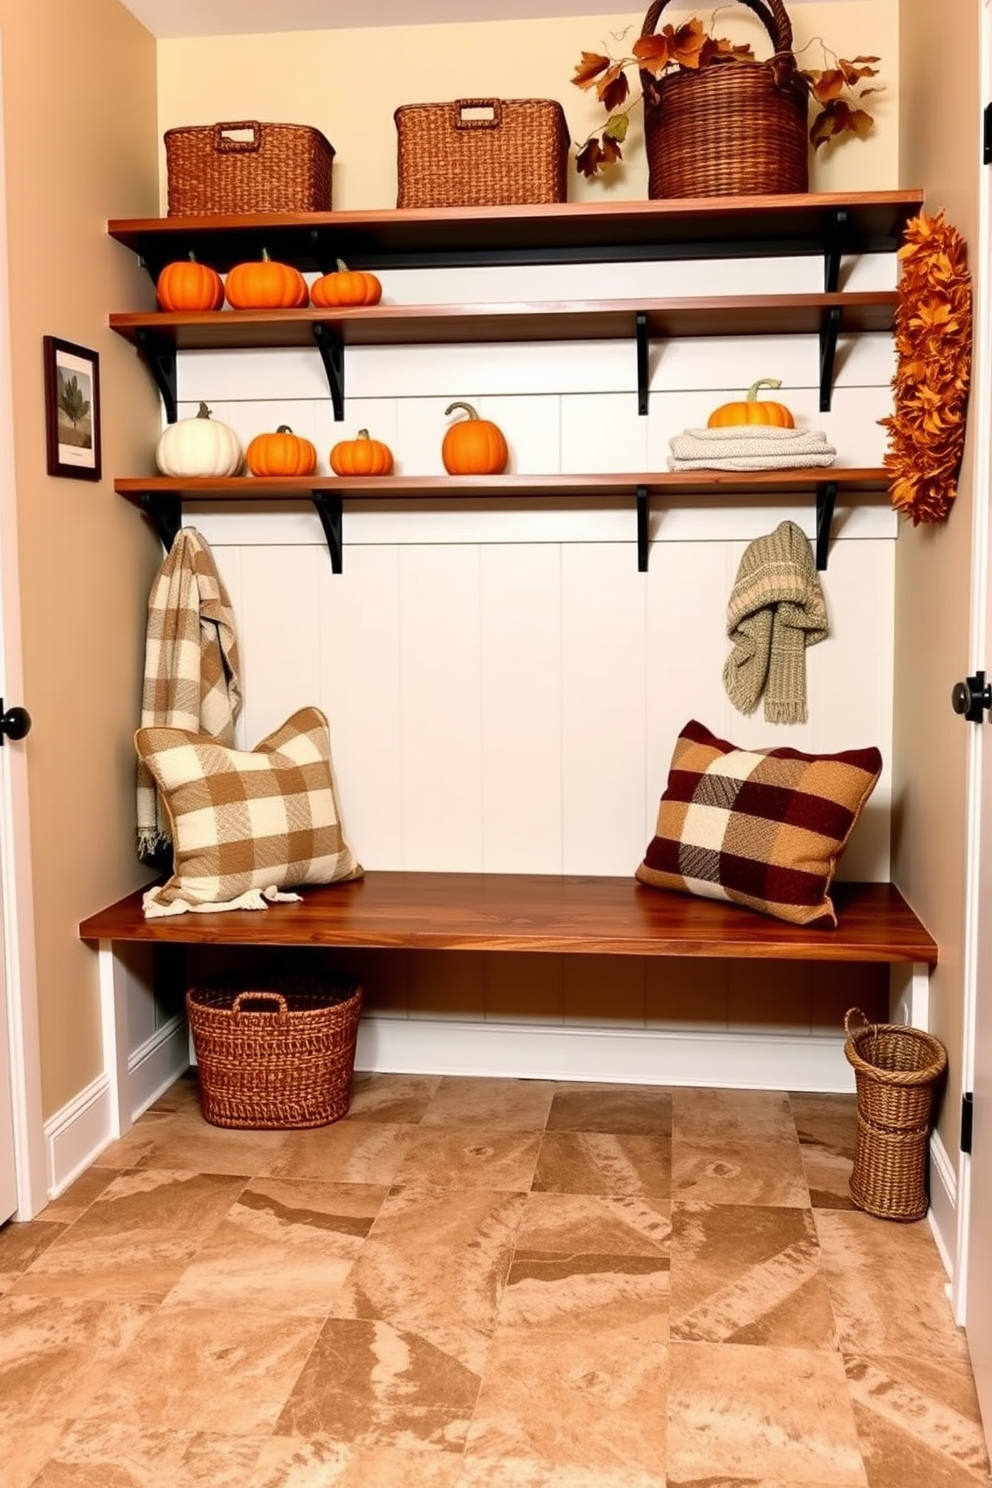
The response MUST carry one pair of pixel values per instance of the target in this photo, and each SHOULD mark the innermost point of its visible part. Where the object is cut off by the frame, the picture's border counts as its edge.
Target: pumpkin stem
(769, 382)
(265, 256)
(342, 266)
(203, 411)
(467, 407)
(284, 429)
(362, 434)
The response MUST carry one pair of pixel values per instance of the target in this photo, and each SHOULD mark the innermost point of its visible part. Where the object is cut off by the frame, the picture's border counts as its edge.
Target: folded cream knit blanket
(191, 668)
(776, 610)
(750, 447)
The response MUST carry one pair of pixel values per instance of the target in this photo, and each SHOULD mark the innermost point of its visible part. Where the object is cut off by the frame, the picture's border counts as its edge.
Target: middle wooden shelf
(159, 335)
(162, 497)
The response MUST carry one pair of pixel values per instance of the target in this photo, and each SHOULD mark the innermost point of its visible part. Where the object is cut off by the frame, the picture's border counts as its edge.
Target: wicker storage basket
(513, 150)
(280, 1057)
(730, 129)
(896, 1071)
(247, 167)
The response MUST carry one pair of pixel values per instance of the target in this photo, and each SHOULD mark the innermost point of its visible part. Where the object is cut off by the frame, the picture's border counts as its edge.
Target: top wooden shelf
(831, 224)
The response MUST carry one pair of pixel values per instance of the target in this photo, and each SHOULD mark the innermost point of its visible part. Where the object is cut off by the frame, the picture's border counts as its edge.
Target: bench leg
(909, 994)
(113, 1024)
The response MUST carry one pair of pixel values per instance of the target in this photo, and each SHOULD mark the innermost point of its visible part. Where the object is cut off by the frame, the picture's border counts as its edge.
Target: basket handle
(777, 23)
(849, 1027)
(282, 1006)
(225, 146)
(466, 103)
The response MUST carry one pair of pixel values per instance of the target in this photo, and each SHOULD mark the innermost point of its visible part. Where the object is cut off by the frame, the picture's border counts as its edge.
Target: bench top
(537, 912)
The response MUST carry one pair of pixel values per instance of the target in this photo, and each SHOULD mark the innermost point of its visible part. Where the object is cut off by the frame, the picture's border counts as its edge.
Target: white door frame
(15, 840)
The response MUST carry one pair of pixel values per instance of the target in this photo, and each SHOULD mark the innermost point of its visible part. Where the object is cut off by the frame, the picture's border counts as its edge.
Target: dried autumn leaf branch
(933, 349)
(836, 89)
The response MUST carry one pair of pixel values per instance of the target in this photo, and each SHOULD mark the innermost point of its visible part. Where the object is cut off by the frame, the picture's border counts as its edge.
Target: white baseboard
(943, 1213)
(639, 1056)
(76, 1135)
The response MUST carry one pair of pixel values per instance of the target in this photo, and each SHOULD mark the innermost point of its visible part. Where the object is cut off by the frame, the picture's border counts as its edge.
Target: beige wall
(80, 124)
(939, 151)
(348, 83)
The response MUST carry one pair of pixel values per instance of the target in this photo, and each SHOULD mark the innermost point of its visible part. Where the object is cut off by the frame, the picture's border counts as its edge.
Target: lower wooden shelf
(162, 498)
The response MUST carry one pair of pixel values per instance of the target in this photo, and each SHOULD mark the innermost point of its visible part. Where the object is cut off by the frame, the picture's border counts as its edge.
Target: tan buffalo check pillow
(759, 827)
(246, 823)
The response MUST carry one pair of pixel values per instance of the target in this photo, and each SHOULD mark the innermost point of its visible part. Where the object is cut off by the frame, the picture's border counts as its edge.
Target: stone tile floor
(483, 1283)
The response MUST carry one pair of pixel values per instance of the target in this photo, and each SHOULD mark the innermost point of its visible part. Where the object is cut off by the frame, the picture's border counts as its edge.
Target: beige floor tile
(188, 1142)
(321, 1462)
(761, 1415)
(78, 1197)
(400, 1099)
(520, 1472)
(470, 1157)
(758, 1172)
(826, 1126)
(887, 1287)
(285, 1246)
(436, 1260)
(374, 1383)
(599, 1163)
(346, 1152)
(105, 1453)
(21, 1245)
(591, 1401)
(732, 1116)
(136, 1238)
(632, 1110)
(55, 1353)
(25, 1447)
(623, 1296)
(919, 1422)
(620, 1225)
(748, 1276)
(503, 1105)
(217, 1370)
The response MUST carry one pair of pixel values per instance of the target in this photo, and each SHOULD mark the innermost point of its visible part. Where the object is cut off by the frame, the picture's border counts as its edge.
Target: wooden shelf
(162, 497)
(827, 224)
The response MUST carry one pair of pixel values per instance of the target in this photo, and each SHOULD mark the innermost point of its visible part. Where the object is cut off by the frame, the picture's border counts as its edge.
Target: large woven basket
(897, 1071)
(279, 1057)
(732, 128)
(481, 152)
(247, 167)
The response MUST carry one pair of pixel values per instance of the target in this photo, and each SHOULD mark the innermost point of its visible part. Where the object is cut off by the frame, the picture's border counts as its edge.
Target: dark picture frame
(72, 409)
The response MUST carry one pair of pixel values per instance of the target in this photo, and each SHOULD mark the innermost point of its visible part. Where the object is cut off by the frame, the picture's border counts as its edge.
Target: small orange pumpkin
(361, 456)
(188, 285)
(751, 411)
(346, 287)
(281, 453)
(474, 447)
(266, 285)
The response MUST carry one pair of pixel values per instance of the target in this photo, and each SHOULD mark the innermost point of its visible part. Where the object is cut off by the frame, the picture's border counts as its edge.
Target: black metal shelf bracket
(331, 350)
(641, 324)
(165, 514)
(833, 248)
(829, 329)
(159, 355)
(826, 498)
(330, 511)
(643, 514)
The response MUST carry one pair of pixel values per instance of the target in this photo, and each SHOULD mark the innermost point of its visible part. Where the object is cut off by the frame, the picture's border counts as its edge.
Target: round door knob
(972, 697)
(15, 723)
(961, 697)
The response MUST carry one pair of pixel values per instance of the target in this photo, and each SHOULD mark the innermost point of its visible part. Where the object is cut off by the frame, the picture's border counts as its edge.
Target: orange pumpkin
(474, 447)
(281, 453)
(751, 411)
(361, 456)
(266, 285)
(188, 285)
(346, 287)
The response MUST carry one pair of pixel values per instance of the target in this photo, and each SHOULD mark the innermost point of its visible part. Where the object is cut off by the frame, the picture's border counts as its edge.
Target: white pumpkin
(199, 446)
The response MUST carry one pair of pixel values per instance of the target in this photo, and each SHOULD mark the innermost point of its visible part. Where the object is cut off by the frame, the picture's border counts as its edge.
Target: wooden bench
(521, 912)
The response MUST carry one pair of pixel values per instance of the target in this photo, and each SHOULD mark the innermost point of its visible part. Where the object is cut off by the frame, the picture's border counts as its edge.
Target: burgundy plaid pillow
(763, 827)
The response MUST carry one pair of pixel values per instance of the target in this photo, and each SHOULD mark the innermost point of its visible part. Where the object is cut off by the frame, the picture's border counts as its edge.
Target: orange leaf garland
(933, 330)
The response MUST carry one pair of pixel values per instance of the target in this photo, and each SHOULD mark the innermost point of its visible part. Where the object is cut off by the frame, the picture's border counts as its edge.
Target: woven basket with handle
(731, 128)
(481, 152)
(897, 1070)
(280, 1056)
(246, 166)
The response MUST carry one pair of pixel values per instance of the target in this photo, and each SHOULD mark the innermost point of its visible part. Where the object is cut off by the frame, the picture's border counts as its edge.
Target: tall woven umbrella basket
(897, 1071)
(731, 128)
(279, 1056)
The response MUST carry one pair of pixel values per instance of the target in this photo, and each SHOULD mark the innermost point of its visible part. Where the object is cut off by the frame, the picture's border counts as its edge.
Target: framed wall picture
(72, 409)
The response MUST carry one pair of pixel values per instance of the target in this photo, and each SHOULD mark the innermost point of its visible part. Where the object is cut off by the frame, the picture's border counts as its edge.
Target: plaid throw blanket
(776, 610)
(191, 669)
